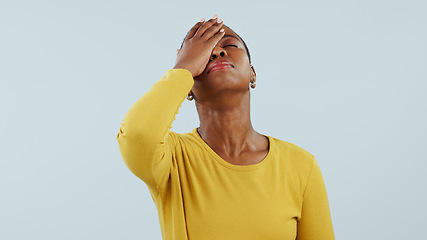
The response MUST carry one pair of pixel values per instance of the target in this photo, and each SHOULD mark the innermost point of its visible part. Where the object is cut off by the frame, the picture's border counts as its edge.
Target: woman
(223, 180)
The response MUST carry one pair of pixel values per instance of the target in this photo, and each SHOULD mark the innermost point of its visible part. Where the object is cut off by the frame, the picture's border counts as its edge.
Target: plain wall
(346, 80)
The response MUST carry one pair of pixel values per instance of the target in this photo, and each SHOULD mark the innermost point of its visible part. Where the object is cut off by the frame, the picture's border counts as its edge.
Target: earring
(253, 84)
(190, 97)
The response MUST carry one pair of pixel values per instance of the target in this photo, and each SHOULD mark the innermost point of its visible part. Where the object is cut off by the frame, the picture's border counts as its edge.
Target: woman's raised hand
(198, 45)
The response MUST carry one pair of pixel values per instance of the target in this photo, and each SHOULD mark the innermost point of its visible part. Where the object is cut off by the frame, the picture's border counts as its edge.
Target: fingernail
(215, 16)
(219, 20)
(222, 30)
(202, 20)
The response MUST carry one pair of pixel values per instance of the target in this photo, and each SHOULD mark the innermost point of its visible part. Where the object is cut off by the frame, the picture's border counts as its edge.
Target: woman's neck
(225, 125)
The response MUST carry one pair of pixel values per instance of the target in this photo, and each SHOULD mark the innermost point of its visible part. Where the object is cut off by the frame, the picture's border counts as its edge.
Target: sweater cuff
(182, 74)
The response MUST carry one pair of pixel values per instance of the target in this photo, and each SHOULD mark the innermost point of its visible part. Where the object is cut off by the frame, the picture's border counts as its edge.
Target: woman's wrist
(183, 67)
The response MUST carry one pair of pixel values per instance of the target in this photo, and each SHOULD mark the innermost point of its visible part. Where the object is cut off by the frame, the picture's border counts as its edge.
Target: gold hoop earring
(190, 97)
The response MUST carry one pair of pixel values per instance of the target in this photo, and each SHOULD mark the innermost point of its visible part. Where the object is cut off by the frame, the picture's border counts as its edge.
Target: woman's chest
(240, 205)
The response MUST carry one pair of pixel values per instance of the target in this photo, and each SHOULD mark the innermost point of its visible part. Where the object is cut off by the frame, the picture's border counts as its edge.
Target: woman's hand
(198, 45)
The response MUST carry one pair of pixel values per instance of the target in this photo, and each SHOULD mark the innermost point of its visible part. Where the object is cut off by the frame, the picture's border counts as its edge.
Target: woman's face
(233, 74)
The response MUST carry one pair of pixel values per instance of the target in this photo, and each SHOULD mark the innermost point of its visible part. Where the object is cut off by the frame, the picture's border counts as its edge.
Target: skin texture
(222, 97)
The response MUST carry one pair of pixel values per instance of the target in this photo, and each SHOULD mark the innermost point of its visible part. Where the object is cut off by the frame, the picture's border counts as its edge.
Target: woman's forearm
(143, 136)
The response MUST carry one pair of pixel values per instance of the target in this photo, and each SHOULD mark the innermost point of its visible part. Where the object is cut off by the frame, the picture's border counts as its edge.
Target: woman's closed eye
(230, 45)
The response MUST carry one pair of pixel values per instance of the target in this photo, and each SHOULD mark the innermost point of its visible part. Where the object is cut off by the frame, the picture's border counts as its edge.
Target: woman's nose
(217, 52)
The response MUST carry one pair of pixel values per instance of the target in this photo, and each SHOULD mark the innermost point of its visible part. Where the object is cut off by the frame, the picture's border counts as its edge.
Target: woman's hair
(246, 47)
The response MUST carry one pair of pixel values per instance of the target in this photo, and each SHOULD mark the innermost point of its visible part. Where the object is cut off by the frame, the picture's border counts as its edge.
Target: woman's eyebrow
(229, 35)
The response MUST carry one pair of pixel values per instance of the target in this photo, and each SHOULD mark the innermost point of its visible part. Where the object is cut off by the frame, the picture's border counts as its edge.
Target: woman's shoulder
(188, 138)
(291, 151)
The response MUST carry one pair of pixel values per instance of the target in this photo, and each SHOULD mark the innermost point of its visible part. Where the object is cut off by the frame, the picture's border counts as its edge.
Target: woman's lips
(219, 65)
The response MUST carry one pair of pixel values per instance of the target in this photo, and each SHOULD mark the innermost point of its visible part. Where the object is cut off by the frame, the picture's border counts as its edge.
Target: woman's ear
(253, 74)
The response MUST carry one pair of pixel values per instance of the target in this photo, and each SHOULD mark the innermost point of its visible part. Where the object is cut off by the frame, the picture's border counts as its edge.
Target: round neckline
(234, 166)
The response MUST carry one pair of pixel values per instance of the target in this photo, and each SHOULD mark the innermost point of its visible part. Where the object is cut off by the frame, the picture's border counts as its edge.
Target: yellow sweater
(200, 196)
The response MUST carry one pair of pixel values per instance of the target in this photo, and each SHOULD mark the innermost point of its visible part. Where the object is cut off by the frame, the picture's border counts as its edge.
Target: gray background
(346, 80)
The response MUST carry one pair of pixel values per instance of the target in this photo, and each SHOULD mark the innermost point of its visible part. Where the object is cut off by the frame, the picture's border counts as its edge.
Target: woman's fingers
(194, 29)
(217, 37)
(212, 30)
(205, 29)
(205, 26)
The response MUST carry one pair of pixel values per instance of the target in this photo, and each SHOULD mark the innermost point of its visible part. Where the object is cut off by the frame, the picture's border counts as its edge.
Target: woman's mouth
(219, 65)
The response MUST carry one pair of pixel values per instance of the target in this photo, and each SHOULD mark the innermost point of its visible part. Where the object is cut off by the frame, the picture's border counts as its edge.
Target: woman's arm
(145, 140)
(315, 222)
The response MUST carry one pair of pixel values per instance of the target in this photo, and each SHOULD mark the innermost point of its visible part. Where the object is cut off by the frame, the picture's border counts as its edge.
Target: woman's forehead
(229, 30)
(230, 33)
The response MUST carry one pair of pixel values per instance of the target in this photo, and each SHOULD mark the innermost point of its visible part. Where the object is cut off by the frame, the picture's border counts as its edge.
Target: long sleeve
(145, 140)
(315, 222)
